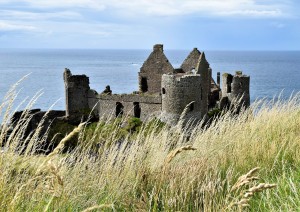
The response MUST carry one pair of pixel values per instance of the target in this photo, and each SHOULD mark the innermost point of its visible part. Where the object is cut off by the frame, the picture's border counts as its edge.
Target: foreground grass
(162, 170)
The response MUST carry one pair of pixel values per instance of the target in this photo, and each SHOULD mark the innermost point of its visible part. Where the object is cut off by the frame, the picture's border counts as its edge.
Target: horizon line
(147, 49)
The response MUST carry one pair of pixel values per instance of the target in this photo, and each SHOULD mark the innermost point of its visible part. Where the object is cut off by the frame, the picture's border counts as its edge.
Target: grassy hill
(248, 162)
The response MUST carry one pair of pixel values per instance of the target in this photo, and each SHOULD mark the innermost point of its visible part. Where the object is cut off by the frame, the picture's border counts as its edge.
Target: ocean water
(271, 72)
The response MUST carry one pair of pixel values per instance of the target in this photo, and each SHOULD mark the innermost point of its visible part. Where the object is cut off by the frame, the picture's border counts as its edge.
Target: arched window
(192, 106)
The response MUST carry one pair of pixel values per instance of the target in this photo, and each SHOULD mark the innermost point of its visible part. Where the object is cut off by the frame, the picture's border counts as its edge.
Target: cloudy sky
(138, 24)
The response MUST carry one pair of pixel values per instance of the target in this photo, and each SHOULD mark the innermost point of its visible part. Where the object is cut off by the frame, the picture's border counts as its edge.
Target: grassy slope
(135, 175)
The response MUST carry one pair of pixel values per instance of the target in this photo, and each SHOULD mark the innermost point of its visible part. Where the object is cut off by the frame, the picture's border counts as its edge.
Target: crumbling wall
(236, 89)
(226, 84)
(163, 90)
(205, 72)
(190, 63)
(93, 102)
(152, 70)
(76, 91)
(81, 101)
(133, 105)
(177, 93)
(240, 89)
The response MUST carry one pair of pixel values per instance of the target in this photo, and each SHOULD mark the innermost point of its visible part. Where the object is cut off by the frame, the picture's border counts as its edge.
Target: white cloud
(178, 7)
(253, 13)
(21, 15)
(172, 7)
(94, 4)
(5, 26)
(201, 7)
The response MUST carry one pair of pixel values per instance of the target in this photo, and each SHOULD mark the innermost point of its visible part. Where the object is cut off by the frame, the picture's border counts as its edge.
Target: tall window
(192, 106)
(144, 84)
(136, 110)
(119, 109)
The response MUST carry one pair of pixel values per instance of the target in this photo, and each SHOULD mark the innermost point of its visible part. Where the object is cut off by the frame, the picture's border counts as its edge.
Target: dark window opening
(229, 81)
(119, 109)
(136, 110)
(163, 90)
(192, 106)
(144, 84)
(228, 88)
(201, 93)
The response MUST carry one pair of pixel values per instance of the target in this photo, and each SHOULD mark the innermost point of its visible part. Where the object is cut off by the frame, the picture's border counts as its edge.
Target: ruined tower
(177, 92)
(77, 89)
(204, 71)
(236, 89)
(152, 70)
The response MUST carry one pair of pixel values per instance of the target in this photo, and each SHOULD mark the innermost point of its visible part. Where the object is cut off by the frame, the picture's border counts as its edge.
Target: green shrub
(133, 124)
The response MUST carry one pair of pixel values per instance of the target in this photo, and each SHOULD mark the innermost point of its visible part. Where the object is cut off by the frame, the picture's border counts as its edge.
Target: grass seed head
(175, 152)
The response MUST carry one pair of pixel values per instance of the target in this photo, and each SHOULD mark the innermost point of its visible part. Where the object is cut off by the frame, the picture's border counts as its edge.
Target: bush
(133, 124)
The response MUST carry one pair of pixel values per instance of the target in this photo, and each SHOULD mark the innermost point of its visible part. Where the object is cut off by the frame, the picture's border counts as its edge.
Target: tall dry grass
(165, 170)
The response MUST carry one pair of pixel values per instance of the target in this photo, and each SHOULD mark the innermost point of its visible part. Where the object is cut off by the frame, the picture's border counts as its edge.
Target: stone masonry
(153, 68)
(189, 64)
(187, 94)
(205, 72)
(236, 89)
(164, 92)
(177, 93)
(77, 88)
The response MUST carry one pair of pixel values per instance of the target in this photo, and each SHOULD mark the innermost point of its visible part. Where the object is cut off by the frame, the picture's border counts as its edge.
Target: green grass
(149, 170)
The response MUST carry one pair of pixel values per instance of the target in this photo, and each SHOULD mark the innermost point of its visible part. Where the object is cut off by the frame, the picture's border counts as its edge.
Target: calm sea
(271, 72)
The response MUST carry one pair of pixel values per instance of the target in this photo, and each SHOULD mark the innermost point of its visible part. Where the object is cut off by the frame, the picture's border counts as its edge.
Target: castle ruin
(164, 91)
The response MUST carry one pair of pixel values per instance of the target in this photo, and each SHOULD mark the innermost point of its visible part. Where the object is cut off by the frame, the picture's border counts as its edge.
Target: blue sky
(138, 24)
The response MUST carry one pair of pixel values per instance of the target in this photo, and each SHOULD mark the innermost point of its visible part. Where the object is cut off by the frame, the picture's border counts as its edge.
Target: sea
(272, 72)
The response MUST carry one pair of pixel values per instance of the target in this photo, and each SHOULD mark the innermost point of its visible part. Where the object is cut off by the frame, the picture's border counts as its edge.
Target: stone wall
(236, 88)
(226, 84)
(205, 73)
(93, 102)
(152, 70)
(177, 92)
(164, 91)
(81, 101)
(131, 104)
(191, 61)
(76, 91)
(240, 89)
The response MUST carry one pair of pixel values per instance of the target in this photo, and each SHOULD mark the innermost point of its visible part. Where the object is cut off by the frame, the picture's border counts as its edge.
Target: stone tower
(205, 72)
(152, 70)
(77, 89)
(177, 92)
(236, 89)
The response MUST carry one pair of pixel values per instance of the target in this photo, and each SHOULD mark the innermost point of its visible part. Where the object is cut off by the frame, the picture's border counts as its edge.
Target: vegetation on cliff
(213, 169)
